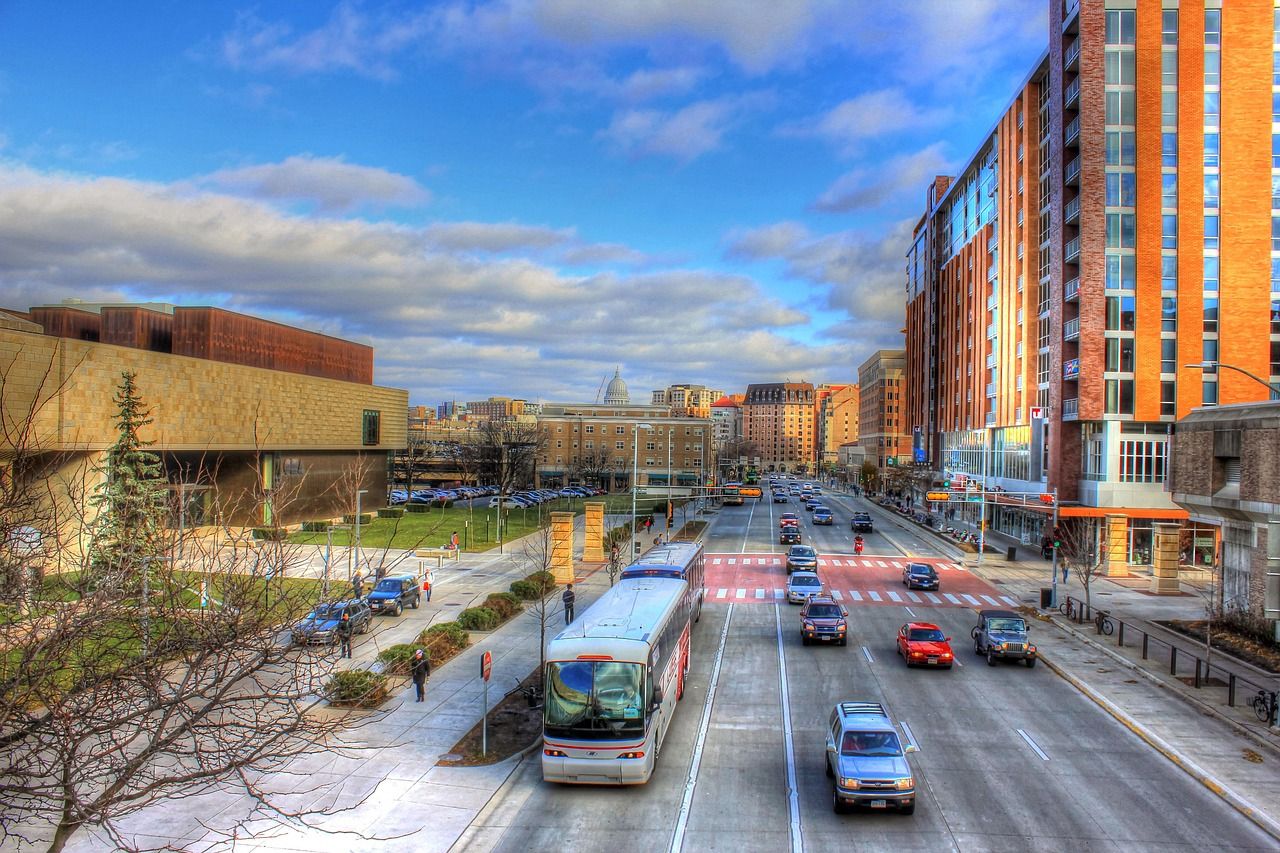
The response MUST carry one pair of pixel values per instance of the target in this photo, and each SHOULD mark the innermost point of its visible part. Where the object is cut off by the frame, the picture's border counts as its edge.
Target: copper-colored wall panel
(1093, 231)
(141, 328)
(61, 322)
(1146, 380)
(1190, 201)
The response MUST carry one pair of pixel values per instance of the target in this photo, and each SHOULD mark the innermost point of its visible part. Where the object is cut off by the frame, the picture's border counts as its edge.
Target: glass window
(1120, 107)
(1121, 271)
(1120, 313)
(1212, 26)
(1168, 355)
(1169, 231)
(1169, 314)
(1211, 190)
(1211, 149)
(1212, 101)
(1209, 397)
(371, 427)
(1120, 26)
(1169, 68)
(1121, 190)
(1275, 358)
(1120, 230)
(1211, 272)
(1169, 189)
(1211, 232)
(1169, 26)
(1168, 272)
(1209, 348)
(1212, 67)
(1120, 355)
(1211, 314)
(1275, 316)
(1119, 397)
(1168, 399)
(1169, 149)
(1169, 109)
(1275, 233)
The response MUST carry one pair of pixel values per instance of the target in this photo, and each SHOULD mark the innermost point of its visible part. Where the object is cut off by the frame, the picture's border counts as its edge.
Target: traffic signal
(670, 514)
(946, 483)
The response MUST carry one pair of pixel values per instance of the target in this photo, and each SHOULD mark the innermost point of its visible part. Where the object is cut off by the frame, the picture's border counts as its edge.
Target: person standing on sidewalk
(568, 598)
(453, 541)
(429, 582)
(357, 585)
(344, 635)
(421, 669)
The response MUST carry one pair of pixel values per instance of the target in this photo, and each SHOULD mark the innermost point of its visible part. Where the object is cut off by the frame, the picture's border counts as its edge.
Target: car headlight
(905, 784)
(1004, 645)
(807, 624)
(848, 783)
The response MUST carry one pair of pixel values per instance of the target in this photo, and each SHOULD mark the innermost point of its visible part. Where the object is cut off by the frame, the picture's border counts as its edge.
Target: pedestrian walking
(568, 598)
(357, 585)
(344, 635)
(453, 541)
(1065, 567)
(428, 582)
(421, 669)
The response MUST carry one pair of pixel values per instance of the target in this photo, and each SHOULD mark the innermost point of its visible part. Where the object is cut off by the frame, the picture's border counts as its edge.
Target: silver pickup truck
(866, 760)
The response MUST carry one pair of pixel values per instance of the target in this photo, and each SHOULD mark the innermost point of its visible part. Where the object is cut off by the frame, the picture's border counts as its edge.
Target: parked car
(803, 585)
(1002, 634)
(789, 536)
(920, 576)
(824, 621)
(867, 761)
(802, 557)
(924, 644)
(320, 626)
(861, 523)
(394, 593)
(823, 515)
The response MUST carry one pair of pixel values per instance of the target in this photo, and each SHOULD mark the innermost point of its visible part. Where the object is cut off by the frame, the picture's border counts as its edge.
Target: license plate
(879, 804)
(933, 660)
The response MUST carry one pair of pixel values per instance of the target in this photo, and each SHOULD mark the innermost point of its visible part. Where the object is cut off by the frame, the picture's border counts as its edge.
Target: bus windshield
(594, 700)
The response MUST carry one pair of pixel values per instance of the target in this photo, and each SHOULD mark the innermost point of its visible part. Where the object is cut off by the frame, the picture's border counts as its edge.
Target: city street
(1010, 758)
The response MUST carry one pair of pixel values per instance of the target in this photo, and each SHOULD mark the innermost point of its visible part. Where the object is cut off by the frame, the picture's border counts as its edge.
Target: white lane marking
(951, 598)
(866, 653)
(677, 837)
(778, 593)
(897, 564)
(933, 599)
(894, 596)
(759, 593)
(911, 595)
(875, 596)
(969, 598)
(746, 534)
(910, 612)
(911, 738)
(857, 596)
(742, 593)
(960, 567)
(835, 593)
(793, 790)
(1034, 746)
(882, 564)
(716, 561)
(746, 561)
(733, 561)
(1009, 601)
(989, 600)
(721, 593)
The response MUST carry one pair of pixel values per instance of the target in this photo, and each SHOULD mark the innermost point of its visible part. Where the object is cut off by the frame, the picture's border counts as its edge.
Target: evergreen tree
(131, 498)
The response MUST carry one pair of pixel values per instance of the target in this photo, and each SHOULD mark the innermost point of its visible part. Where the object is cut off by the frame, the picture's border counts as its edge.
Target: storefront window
(1140, 538)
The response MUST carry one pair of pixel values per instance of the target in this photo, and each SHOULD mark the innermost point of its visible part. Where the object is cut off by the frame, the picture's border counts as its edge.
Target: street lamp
(359, 492)
(635, 475)
(667, 535)
(1213, 366)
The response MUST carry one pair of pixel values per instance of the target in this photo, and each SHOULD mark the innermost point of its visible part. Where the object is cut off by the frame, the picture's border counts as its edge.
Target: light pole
(1213, 366)
(982, 508)
(359, 492)
(670, 506)
(635, 470)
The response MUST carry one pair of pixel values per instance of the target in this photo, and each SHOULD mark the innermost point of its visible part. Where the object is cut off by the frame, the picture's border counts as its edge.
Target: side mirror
(657, 696)
(911, 747)
(948, 639)
(844, 611)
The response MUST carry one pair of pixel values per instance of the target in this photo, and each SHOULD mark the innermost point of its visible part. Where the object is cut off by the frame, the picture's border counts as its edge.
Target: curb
(466, 837)
(1262, 820)
(1204, 707)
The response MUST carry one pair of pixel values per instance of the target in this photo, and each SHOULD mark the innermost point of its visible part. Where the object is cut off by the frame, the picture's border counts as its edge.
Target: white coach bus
(683, 560)
(612, 681)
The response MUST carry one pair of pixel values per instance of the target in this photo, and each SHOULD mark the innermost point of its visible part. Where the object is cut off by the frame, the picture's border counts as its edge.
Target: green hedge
(365, 518)
(417, 508)
(524, 590)
(478, 619)
(443, 641)
(504, 604)
(270, 534)
(444, 504)
(315, 526)
(357, 688)
(391, 512)
(545, 580)
(397, 659)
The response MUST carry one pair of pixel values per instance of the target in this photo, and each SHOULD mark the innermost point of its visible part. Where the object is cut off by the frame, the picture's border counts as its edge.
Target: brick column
(1164, 564)
(1116, 542)
(593, 544)
(562, 546)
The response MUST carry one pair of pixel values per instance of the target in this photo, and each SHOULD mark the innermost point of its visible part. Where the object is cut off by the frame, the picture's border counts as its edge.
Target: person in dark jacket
(568, 598)
(420, 670)
(357, 585)
(344, 634)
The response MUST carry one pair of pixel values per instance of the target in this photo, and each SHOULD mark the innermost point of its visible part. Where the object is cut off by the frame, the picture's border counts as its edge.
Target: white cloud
(330, 183)
(865, 117)
(684, 134)
(896, 179)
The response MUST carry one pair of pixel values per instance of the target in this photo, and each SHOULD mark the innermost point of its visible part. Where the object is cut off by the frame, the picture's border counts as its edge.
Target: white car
(802, 586)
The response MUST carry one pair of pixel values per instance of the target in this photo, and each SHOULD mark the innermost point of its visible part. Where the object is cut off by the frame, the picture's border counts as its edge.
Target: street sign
(1037, 413)
(486, 665)
(938, 496)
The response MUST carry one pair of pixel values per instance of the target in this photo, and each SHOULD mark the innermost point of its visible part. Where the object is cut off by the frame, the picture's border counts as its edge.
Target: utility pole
(1053, 566)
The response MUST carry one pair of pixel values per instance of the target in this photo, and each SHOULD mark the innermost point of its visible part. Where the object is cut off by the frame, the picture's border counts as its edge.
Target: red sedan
(924, 643)
(788, 519)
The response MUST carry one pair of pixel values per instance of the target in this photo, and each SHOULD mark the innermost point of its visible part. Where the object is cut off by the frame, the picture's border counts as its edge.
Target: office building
(881, 417)
(778, 418)
(687, 401)
(836, 420)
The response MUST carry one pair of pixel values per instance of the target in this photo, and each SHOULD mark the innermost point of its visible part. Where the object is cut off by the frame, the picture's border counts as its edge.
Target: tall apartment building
(837, 420)
(726, 422)
(881, 415)
(779, 418)
(1141, 137)
(687, 401)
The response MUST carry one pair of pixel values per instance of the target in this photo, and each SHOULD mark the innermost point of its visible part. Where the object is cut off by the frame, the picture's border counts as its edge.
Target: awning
(1127, 512)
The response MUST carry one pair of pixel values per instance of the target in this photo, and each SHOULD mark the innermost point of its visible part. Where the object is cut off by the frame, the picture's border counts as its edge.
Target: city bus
(732, 494)
(681, 560)
(612, 681)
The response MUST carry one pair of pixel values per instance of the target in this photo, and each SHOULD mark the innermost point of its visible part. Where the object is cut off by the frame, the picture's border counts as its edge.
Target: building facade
(779, 419)
(1141, 137)
(837, 420)
(881, 418)
(496, 408)
(726, 423)
(687, 401)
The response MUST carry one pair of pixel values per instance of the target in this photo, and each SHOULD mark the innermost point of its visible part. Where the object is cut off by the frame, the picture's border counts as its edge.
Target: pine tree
(130, 499)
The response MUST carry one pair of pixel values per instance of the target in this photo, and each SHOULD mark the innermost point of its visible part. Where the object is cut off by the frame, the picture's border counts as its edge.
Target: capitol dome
(616, 394)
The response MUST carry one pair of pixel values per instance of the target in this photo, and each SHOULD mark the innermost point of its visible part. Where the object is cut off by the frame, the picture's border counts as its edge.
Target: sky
(505, 198)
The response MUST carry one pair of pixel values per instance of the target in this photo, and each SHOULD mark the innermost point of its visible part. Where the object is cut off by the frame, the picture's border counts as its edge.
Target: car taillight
(553, 753)
(632, 755)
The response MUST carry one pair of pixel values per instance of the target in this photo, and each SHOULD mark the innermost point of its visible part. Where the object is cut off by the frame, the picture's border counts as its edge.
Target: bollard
(1145, 638)
(1231, 689)
(1173, 660)
(1197, 673)
(1120, 639)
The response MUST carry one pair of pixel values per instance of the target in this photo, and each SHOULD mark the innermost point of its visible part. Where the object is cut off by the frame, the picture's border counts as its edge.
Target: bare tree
(1080, 551)
(537, 558)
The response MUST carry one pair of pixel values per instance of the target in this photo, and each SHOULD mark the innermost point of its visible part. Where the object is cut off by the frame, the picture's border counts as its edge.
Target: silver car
(802, 586)
(867, 761)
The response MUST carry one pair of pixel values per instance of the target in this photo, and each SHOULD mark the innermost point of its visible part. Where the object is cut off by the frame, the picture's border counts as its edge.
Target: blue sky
(503, 198)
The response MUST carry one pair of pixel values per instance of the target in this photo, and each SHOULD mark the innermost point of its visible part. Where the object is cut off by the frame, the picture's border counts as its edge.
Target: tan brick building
(240, 444)
(495, 408)
(837, 420)
(880, 400)
(779, 418)
(687, 401)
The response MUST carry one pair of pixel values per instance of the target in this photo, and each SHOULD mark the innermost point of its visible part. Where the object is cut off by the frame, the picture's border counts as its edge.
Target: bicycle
(1067, 608)
(1103, 624)
(1263, 704)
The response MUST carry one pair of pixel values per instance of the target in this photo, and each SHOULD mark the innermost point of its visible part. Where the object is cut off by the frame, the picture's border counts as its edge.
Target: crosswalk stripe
(933, 599)
(716, 561)
(857, 596)
(897, 564)
(1009, 601)
(990, 601)
(746, 561)
(882, 564)
(960, 568)
(875, 596)
(951, 598)
(969, 598)
(721, 593)
(733, 561)
(893, 595)
(742, 593)
(913, 596)
(759, 593)
(777, 593)
(835, 593)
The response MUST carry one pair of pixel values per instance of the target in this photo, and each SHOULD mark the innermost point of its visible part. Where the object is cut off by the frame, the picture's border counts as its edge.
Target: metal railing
(1071, 132)
(1071, 210)
(1070, 408)
(1180, 658)
(1071, 329)
(1071, 172)
(1072, 54)
(1071, 252)
(1071, 289)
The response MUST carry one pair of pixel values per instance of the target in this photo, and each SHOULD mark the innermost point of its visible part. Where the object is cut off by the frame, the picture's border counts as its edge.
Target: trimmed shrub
(391, 512)
(270, 534)
(504, 604)
(315, 526)
(417, 508)
(524, 590)
(543, 580)
(443, 641)
(356, 688)
(365, 518)
(478, 619)
(397, 659)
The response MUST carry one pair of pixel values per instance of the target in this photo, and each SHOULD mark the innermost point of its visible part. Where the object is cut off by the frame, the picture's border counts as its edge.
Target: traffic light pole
(1053, 567)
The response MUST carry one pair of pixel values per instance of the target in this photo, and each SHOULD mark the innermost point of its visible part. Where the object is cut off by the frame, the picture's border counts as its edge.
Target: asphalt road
(1010, 758)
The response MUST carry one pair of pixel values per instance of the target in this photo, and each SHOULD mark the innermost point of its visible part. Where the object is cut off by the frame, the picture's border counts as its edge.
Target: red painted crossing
(868, 579)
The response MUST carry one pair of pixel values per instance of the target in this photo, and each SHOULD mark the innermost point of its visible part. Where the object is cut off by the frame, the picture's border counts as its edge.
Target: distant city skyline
(502, 197)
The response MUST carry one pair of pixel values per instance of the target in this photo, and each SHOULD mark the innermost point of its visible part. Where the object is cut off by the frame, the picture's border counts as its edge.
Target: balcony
(1071, 211)
(992, 272)
(993, 243)
(991, 418)
(1071, 94)
(1071, 251)
(1071, 57)
(991, 389)
(1072, 132)
(1071, 173)
(991, 360)
(1071, 330)
(1070, 409)
(991, 331)
(1071, 290)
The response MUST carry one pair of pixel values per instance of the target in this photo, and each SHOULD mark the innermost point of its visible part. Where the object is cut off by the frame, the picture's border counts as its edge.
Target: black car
(320, 626)
(789, 536)
(394, 593)
(861, 523)
(919, 576)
